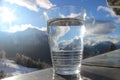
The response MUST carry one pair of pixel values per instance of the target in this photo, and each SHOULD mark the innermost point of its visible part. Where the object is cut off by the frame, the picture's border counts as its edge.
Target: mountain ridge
(34, 43)
(31, 42)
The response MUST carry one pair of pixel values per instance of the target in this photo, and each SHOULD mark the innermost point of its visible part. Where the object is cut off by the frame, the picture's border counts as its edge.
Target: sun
(7, 15)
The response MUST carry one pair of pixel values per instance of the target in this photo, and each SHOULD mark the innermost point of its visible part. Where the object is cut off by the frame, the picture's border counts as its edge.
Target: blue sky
(18, 15)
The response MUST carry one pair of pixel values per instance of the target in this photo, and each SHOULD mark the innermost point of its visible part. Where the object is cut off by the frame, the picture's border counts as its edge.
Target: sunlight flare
(7, 15)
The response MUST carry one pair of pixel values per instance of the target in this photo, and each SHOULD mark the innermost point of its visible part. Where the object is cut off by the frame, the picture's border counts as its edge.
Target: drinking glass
(66, 28)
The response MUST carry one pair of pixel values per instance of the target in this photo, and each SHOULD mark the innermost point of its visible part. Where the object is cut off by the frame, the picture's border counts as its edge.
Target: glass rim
(69, 6)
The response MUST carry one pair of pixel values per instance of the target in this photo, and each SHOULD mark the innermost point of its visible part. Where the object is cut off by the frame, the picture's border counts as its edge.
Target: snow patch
(11, 68)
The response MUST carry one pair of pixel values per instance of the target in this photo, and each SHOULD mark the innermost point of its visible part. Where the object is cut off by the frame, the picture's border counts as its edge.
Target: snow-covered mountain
(31, 42)
(97, 48)
(34, 43)
(10, 68)
(92, 47)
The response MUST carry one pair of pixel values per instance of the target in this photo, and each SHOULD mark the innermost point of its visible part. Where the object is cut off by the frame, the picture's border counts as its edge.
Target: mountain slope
(10, 68)
(31, 42)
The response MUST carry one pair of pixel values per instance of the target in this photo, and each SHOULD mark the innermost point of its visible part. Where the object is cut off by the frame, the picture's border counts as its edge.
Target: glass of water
(66, 28)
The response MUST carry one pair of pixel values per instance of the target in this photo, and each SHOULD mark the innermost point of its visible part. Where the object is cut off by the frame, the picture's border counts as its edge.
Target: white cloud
(108, 9)
(7, 15)
(100, 28)
(59, 32)
(115, 18)
(32, 4)
(29, 4)
(23, 27)
(111, 13)
(72, 15)
(44, 4)
(97, 39)
(43, 28)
